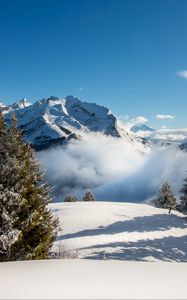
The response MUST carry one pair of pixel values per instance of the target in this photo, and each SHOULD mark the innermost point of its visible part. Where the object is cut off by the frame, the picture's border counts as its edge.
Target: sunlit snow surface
(125, 231)
(88, 279)
(133, 251)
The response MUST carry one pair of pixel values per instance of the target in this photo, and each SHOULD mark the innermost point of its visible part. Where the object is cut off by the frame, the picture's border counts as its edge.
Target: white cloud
(164, 117)
(182, 74)
(129, 123)
(89, 162)
(114, 169)
(159, 165)
(164, 134)
(139, 120)
(123, 118)
(172, 135)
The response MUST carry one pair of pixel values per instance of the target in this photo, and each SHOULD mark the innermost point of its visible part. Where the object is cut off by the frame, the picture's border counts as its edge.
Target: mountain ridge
(56, 121)
(53, 121)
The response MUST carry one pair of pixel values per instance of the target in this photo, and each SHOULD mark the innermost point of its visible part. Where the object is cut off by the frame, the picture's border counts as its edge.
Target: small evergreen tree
(166, 198)
(70, 198)
(88, 196)
(27, 226)
(183, 197)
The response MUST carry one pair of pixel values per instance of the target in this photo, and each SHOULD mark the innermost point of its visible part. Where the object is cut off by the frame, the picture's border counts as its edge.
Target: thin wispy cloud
(182, 74)
(164, 117)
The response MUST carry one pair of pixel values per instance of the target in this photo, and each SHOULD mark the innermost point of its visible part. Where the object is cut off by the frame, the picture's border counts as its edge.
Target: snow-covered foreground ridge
(87, 279)
(122, 231)
(139, 252)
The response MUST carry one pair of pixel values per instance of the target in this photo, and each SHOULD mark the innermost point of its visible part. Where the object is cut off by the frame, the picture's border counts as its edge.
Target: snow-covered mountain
(1, 105)
(23, 103)
(142, 127)
(164, 136)
(54, 121)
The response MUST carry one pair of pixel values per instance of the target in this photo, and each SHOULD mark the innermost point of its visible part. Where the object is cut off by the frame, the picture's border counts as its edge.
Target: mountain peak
(2, 105)
(142, 127)
(20, 104)
(23, 103)
(53, 98)
(71, 99)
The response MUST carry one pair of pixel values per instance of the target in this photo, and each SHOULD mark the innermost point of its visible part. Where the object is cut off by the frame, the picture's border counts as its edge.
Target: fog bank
(113, 168)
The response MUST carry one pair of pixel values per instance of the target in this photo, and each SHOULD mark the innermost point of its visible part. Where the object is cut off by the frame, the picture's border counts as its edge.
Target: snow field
(88, 279)
(125, 231)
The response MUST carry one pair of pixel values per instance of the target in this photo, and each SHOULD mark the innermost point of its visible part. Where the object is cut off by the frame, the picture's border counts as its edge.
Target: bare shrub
(63, 252)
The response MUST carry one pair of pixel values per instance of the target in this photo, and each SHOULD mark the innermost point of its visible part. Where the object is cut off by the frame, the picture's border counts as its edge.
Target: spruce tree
(183, 197)
(27, 226)
(70, 198)
(166, 198)
(88, 196)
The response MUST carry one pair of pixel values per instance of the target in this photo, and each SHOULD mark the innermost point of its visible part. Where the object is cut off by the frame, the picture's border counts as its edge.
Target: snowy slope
(124, 240)
(87, 279)
(55, 121)
(125, 231)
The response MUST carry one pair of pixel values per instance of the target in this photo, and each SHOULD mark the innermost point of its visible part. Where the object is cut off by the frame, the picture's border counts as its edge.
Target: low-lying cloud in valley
(159, 165)
(113, 168)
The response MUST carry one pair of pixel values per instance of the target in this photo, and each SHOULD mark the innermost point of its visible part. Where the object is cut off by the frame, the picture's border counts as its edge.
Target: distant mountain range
(163, 136)
(54, 121)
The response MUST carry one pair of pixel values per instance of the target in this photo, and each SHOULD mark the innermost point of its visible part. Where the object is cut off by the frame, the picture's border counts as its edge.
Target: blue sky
(121, 54)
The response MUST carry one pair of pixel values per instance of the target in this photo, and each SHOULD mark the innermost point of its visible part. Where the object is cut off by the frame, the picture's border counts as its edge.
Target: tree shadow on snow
(158, 222)
(165, 249)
